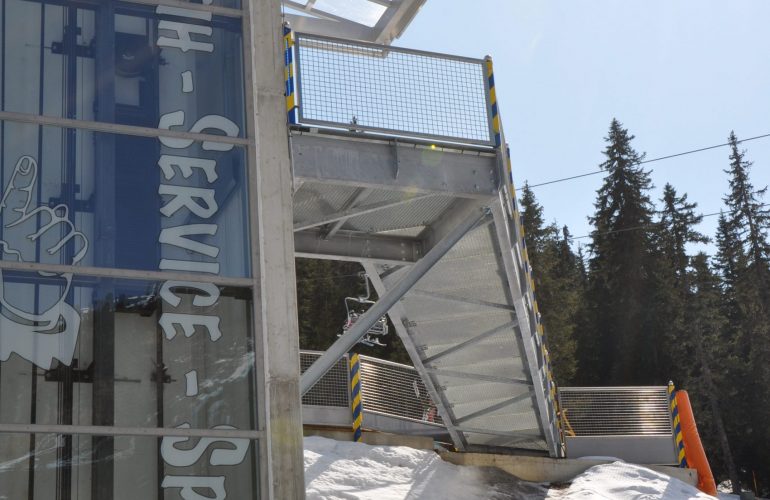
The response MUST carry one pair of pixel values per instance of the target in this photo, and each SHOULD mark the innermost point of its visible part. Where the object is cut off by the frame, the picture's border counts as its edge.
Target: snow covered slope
(624, 481)
(336, 470)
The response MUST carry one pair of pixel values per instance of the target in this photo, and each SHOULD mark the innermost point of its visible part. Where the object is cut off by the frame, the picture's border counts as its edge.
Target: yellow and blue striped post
(496, 128)
(288, 73)
(355, 395)
(681, 458)
(518, 226)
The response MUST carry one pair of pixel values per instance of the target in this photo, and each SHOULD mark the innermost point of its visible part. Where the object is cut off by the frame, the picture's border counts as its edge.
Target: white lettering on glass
(186, 457)
(191, 266)
(184, 202)
(191, 383)
(176, 236)
(186, 166)
(184, 197)
(188, 484)
(187, 82)
(211, 291)
(205, 124)
(187, 322)
(183, 40)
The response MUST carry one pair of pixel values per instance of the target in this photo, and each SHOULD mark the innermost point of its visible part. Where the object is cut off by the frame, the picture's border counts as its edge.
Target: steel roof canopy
(376, 21)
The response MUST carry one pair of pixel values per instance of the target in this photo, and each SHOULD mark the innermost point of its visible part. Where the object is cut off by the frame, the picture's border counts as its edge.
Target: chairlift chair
(356, 307)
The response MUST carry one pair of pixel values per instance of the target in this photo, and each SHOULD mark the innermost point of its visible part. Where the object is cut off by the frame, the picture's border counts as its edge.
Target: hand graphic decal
(43, 328)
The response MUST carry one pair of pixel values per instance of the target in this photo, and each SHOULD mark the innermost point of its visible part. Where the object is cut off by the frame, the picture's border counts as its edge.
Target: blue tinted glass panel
(164, 67)
(233, 4)
(93, 351)
(82, 467)
(79, 197)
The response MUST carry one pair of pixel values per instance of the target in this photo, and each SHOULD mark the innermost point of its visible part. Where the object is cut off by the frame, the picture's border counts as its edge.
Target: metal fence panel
(387, 388)
(615, 411)
(360, 86)
(397, 390)
(333, 388)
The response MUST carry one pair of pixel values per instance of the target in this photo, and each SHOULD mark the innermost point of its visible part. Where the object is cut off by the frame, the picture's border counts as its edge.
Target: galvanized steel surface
(463, 308)
(397, 390)
(332, 389)
(616, 411)
(388, 388)
(362, 86)
(315, 200)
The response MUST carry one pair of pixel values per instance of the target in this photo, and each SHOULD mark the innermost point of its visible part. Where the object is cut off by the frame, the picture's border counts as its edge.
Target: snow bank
(336, 470)
(622, 481)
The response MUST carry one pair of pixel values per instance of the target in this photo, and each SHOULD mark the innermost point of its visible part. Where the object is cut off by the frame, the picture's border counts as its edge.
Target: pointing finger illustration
(17, 196)
(49, 332)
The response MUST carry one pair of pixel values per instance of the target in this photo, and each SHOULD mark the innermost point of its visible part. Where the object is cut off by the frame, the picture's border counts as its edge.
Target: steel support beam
(494, 407)
(373, 163)
(477, 376)
(345, 343)
(531, 354)
(463, 300)
(357, 247)
(515, 436)
(398, 317)
(361, 194)
(356, 211)
(470, 342)
(457, 212)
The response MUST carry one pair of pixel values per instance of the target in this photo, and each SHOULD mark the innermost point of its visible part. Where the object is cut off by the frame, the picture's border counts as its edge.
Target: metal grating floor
(480, 360)
(462, 319)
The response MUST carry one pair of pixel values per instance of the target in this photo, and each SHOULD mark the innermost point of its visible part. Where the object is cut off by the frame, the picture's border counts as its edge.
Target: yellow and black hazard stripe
(681, 457)
(288, 73)
(355, 395)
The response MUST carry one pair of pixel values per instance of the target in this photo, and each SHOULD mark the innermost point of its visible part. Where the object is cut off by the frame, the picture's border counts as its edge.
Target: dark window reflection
(146, 354)
(31, 468)
(53, 65)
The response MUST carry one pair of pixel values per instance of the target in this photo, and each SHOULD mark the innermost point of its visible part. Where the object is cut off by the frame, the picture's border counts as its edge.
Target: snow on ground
(623, 481)
(336, 470)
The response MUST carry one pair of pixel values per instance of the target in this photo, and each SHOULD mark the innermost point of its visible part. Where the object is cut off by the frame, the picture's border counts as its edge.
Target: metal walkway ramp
(408, 178)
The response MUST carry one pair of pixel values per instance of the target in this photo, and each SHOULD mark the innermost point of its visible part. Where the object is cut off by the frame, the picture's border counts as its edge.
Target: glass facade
(128, 366)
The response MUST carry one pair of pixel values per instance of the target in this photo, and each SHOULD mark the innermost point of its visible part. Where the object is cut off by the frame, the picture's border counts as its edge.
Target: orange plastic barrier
(693, 448)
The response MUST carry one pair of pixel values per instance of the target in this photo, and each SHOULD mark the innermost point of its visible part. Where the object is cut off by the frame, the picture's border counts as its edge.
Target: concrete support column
(275, 301)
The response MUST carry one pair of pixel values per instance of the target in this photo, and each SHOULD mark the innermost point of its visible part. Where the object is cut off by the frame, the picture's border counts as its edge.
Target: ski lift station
(163, 162)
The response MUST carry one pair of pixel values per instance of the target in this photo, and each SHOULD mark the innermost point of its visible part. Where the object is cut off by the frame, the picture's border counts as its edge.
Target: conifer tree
(744, 252)
(673, 232)
(557, 278)
(708, 379)
(619, 268)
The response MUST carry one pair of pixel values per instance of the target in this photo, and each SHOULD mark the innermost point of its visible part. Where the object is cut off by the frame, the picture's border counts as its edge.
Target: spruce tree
(619, 268)
(708, 378)
(744, 252)
(670, 292)
(556, 275)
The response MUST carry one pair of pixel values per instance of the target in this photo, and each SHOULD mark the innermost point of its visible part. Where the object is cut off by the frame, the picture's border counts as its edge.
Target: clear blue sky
(678, 74)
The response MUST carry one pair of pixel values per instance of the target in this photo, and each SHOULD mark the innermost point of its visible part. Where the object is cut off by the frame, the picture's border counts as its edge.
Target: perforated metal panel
(396, 390)
(461, 315)
(368, 87)
(332, 389)
(616, 411)
(317, 200)
(421, 212)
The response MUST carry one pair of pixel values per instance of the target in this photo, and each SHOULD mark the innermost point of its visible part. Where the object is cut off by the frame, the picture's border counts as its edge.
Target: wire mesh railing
(387, 388)
(615, 411)
(407, 93)
(396, 389)
(333, 388)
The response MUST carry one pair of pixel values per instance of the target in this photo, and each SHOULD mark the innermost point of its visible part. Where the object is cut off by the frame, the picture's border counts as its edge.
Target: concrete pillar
(275, 311)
